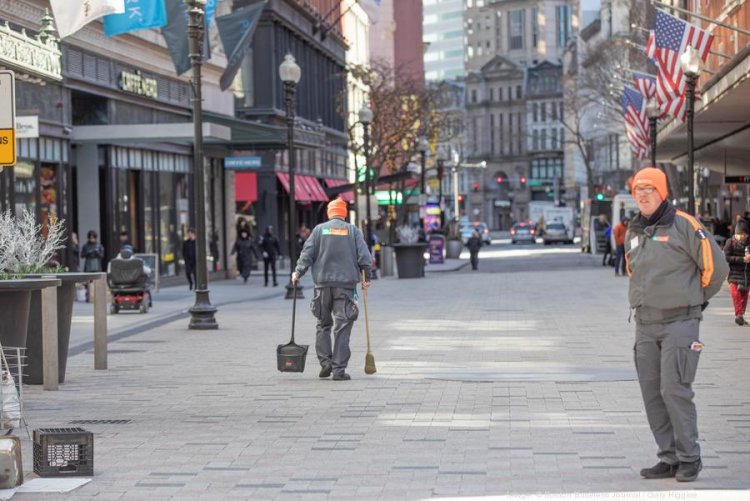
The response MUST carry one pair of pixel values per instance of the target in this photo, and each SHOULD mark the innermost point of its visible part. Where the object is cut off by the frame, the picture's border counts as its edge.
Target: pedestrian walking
(271, 249)
(474, 244)
(213, 248)
(74, 253)
(337, 253)
(92, 253)
(190, 258)
(607, 257)
(245, 249)
(737, 253)
(619, 233)
(675, 267)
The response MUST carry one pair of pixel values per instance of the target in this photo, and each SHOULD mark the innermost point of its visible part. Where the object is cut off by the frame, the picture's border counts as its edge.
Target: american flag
(650, 45)
(671, 36)
(636, 122)
(645, 83)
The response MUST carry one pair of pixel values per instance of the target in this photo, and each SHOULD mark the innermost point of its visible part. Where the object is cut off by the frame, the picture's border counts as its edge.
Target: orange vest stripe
(706, 252)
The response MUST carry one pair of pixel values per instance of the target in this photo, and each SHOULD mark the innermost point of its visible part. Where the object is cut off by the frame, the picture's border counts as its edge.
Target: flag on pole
(71, 16)
(636, 122)
(175, 34)
(645, 83)
(138, 15)
(651, 46)
(672, 36)
(236, 32)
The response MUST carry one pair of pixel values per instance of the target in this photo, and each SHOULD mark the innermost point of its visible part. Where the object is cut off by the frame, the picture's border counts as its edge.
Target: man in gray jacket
(675, 267)
(337, 253)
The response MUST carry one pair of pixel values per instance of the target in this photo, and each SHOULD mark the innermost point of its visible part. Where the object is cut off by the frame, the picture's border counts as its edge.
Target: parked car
(481, 228)
(523, 232)
(556, 233)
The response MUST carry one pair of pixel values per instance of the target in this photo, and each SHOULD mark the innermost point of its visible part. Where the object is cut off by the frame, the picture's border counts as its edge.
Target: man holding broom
(338, 254)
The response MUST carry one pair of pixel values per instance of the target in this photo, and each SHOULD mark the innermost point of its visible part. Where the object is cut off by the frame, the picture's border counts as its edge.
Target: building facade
(443, 36)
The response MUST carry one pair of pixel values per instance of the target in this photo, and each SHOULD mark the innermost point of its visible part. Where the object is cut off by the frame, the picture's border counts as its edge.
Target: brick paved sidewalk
(487, 384)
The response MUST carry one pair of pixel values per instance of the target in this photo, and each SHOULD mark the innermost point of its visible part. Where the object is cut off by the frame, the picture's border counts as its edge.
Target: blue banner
(175, 34)
(236, 33)
(138, 15)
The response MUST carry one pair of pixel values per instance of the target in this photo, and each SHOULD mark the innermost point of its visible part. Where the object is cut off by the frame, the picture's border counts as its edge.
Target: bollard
(50, 366)
(100, 322)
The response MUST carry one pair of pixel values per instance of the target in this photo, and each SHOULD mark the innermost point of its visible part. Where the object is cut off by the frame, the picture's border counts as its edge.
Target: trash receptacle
(386, 264)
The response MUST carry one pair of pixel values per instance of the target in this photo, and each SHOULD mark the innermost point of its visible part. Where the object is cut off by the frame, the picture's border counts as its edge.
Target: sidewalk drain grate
(101, 421)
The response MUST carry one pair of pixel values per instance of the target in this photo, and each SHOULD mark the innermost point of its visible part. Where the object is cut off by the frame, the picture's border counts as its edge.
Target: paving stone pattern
(487, 384)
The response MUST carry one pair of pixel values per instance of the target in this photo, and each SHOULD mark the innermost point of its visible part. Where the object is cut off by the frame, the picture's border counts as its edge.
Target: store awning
(306, 188)
(245, 187)
(346, 195)
(148, 133)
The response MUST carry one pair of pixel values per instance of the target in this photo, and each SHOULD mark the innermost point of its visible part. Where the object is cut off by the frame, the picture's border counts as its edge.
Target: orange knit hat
(651, 176)
(337, 208)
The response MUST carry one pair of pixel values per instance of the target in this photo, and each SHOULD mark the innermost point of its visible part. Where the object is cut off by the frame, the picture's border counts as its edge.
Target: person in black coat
(92, 254)
(269, 244)
(245, 249)
(474, 244)
(737, 252)
(190, 257)
(74, 253)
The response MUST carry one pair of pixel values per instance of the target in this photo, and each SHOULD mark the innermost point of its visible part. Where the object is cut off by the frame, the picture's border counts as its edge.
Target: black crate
(63, 452)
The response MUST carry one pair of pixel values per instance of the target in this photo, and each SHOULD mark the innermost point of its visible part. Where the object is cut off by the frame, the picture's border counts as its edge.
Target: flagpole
(703, 18)
(202, 312)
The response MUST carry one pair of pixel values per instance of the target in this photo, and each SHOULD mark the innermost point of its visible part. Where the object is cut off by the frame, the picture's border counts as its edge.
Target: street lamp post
(440, 172)
(424, 147)
(456, 207)
(290, 73)
(365, 118)
(653, 112)
(202, 312)
(690, 62)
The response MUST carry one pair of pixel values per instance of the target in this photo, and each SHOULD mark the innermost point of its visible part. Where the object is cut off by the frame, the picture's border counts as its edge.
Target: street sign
(27, 127)
(247, 162)
(7, 118)
(737, 179)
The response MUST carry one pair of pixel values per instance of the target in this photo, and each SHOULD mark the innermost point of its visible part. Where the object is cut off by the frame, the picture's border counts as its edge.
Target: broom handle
(294, 308)
(367, 320)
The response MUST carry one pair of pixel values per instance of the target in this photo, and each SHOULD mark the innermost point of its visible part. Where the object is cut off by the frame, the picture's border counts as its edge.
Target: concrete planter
(410, 260)
(15, 304)
(66, 294)
(453, 249)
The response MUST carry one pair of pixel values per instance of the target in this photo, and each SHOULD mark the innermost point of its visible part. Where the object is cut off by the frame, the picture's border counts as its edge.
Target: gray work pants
(335, 310)
(666, 358)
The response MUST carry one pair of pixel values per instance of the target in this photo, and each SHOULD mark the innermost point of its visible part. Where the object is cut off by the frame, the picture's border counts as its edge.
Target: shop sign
(7, 118)
(27, 127)
(31, 55)
(242, 162)
(135, 83)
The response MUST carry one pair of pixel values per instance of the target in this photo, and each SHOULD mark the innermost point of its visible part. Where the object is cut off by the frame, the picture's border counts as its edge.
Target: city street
(514, 379)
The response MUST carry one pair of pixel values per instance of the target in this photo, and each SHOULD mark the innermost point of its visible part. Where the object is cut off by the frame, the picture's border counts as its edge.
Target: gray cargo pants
(666, 358)
(335, 310)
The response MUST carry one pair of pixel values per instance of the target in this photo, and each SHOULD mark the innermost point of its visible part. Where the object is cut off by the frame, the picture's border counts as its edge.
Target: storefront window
(167, 226)
(49, 195)
(149, 244)
(25, 186)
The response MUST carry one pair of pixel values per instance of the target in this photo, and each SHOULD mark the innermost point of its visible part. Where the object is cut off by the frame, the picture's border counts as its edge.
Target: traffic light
(475, 186)
(523, 181)
(600, 196)
(500, 180)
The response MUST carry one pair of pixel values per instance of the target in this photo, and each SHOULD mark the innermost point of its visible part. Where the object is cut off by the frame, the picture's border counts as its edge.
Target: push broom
(369, 358)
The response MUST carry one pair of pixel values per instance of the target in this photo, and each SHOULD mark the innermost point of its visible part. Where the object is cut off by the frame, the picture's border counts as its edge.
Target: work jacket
(337, 252)
(675, 266)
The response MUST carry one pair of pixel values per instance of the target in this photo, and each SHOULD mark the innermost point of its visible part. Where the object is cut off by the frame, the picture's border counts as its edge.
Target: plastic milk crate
(63, 452)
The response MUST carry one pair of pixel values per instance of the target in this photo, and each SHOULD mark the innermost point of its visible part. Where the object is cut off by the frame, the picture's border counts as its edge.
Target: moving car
(523, 232)
(556, 233)
(481, 228)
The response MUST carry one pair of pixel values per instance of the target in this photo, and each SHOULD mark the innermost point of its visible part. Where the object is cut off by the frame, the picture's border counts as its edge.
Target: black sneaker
(740, 320)
(325, 371)
(341, 377)
(687, 472)
(660, 470)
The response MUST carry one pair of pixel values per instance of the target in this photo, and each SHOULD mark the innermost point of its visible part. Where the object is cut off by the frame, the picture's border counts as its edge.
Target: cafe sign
(135, 83)
(38, 56)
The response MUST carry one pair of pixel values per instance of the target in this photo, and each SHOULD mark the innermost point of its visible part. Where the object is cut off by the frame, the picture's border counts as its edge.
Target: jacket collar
(664, 216)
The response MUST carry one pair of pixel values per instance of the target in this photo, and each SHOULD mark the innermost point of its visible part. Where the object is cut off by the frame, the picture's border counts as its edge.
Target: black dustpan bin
(291, 357)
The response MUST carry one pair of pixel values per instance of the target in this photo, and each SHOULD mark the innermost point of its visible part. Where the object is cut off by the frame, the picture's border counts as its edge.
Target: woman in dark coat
(244, 246)
(737, 252)
(474, 244)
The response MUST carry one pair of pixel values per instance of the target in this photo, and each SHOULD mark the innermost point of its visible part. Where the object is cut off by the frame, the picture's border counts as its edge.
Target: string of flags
(665, 44)
(171, 16)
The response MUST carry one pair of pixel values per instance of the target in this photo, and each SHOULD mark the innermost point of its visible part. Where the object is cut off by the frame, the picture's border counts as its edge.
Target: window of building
(535, 113)
(544, 139)
(500, 127)
(534, 29)
(561, 111)
(473, 95)
(520, 135)
(534, 141)
(492, 133)
(510, 133)
(543, 107)
(515, 29)
(553, 109)
(563, 25)
(547, 168)
(554, 138)
(492, 94)
(562, 137)
(519, 92)
(500, 94)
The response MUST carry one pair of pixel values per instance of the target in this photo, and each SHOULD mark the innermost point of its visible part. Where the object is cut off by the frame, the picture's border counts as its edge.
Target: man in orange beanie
(337, 253)
(675, 267)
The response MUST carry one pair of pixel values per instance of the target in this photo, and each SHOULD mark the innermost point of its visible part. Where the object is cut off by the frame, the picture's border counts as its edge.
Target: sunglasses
(645, 189)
